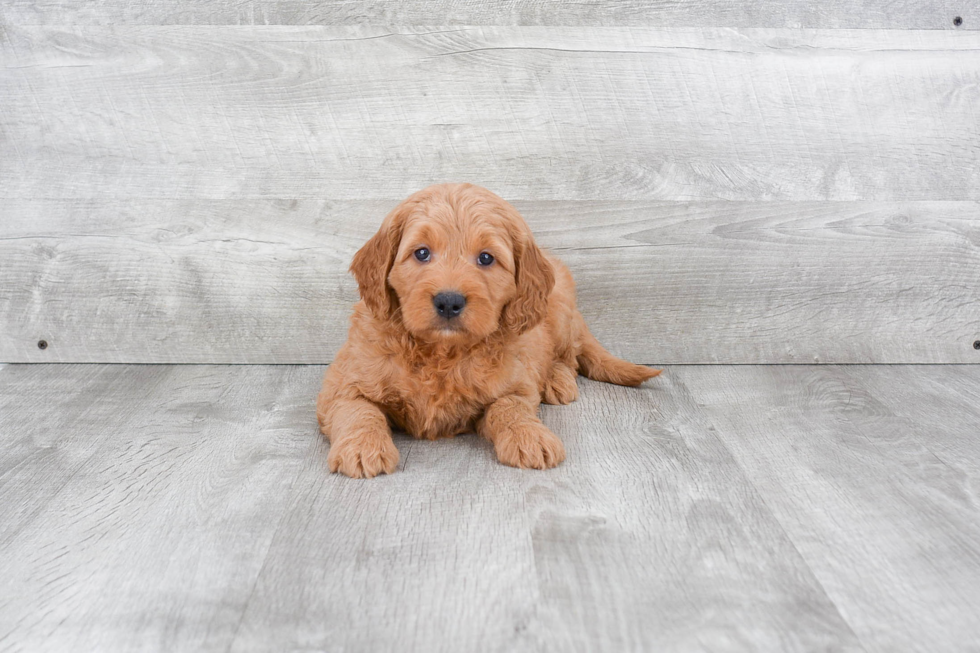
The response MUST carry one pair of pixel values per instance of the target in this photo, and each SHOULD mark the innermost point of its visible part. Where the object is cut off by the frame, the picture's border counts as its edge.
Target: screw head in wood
(42, 344)
(958, 21)
(976, 344)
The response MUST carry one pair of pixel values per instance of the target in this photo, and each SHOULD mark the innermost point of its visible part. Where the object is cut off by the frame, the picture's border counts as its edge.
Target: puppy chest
(436, 408)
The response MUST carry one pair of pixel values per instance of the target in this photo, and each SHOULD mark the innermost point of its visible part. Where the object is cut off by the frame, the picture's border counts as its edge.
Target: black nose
(449, 304)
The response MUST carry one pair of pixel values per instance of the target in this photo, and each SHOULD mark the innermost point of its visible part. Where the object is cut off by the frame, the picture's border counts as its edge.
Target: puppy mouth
(442, 328)
(447, 327)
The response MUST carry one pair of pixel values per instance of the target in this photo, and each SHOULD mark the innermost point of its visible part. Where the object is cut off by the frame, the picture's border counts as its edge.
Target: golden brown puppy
(464, 323)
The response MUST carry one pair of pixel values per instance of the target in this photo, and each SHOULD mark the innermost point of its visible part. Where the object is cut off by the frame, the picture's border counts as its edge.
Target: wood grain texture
(43, 450)
(265, 281)
(873, 472)
(138, 503)
(204, 518)
(904, 14)
(647, 538)
(538, 113)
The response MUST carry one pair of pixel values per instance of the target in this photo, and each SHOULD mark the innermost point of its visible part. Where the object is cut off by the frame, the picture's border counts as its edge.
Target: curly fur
(520, 339)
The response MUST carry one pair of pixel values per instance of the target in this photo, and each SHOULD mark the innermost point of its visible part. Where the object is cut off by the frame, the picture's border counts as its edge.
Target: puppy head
(455, 263)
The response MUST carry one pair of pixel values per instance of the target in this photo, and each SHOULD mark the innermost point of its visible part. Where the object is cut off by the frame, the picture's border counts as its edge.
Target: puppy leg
(518, 436)
(561, 387)
(360, 438)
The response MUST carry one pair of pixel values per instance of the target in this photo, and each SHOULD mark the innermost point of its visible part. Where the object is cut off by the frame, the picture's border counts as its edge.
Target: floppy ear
(535, 280)
(372, 264)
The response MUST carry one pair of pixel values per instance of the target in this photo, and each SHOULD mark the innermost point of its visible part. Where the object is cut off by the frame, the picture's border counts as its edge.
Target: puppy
(463, 324)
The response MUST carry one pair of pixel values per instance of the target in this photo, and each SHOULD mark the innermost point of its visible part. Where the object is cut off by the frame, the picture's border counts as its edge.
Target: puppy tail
(599, 365)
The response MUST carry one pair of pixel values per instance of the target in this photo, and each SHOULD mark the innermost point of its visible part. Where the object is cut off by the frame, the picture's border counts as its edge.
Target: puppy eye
(485, 258)
(423, 254)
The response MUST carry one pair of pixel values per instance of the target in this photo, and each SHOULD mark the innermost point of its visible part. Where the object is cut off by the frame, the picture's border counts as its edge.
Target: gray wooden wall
(187, 182)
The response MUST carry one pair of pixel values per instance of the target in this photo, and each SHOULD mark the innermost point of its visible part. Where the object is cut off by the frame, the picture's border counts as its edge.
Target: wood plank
(904, 14)
(942, 403)
(265, 281)
(646, 538)
(43, 449)
(873, 473)
(748, 507)
(138, 502)
(540, 113)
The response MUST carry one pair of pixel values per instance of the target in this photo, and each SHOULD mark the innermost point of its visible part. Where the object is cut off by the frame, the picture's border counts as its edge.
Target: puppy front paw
(363, 456)
(529, 445)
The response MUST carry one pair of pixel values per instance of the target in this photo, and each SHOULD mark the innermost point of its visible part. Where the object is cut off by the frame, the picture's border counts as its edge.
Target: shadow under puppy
(464, 324)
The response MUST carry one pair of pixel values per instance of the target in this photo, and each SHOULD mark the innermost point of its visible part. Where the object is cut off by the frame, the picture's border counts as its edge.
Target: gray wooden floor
(721, 508)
